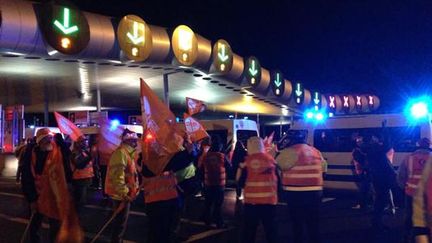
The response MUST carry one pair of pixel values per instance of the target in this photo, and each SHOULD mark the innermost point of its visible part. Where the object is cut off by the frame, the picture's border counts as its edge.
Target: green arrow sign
(298, 90)
(64, 27)
(252, 69)
(221, 54)
(135, 38)
(277, 82)
(316, 99)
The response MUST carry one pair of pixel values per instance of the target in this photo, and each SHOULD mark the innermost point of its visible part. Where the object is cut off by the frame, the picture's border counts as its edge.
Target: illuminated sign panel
(185, 45)
(317, 103)
(253, 71)
(277, 83)
(371, 102)
(346, 103)
(222, 56)
(299, 94)
(359, 103)
(134, 38)
(65, 28)
(332, 103)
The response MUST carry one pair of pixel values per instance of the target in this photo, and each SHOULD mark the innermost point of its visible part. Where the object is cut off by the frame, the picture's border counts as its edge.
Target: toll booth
(13, 128)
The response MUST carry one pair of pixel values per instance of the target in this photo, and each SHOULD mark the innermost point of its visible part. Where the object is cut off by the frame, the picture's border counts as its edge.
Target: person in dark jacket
(238, 158)
(382, 173)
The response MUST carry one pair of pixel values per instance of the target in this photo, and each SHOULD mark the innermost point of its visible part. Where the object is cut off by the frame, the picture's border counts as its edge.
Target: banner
(194, 129)
(67, 127)
(109, 139)
(195, 106)
(161, 122)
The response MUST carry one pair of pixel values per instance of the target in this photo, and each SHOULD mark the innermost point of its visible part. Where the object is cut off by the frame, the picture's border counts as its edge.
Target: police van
(335, 138)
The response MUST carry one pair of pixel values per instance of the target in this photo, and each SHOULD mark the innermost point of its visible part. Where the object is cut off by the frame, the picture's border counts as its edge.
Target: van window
(244, 135)
(222, 134)
(404, 139)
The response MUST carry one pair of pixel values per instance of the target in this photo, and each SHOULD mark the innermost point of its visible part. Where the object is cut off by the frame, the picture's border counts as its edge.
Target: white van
(230, 131)
(335, 139)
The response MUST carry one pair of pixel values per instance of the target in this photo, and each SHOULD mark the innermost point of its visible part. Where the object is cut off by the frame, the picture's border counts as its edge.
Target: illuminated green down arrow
(298, 91)
(252, 70)
(316, 99)
(277, 82)
(222, 55)
(134, 37)
(64, 27)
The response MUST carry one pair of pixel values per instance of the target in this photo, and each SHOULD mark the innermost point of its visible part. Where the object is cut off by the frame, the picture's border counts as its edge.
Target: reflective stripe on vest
(261, 181)
(416, 163)
(84, 173)
(160, 188)
(214, 169)
(306, 174)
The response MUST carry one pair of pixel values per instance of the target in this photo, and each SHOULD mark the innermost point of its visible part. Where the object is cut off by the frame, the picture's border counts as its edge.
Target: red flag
(160, 122)
(194, 106)
(194, 129)
(67, 127)
(109, 139)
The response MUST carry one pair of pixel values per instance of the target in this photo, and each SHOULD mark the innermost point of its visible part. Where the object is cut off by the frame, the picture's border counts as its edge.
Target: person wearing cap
(82, 171)
(409, 175)
(302, 183)
(260, 191)
(44, 186)
(121, 183)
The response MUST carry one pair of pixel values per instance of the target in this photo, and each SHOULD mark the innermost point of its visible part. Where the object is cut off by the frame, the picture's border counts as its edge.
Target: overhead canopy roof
(36, 63)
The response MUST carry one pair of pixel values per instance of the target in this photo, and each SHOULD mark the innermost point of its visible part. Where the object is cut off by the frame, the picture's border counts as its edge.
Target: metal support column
(166, 89)
(46, 104)
(98, 97)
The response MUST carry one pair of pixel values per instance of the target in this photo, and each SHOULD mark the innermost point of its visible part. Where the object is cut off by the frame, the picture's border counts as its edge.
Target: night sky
(364, 46)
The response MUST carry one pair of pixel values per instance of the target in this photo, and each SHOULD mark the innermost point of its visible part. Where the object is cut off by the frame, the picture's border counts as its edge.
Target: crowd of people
(380, 184)
(55, 180)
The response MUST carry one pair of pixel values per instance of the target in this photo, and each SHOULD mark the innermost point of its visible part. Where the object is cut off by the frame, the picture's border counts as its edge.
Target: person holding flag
(45, 188)
(121, 183)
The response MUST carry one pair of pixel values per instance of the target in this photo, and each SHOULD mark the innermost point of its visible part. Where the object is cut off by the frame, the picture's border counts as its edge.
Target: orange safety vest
(261, 181)
(306, 174)
(214, 169)
(84, 173)
(416, 163)
(46, 190)
(160, 188)
(131, 179)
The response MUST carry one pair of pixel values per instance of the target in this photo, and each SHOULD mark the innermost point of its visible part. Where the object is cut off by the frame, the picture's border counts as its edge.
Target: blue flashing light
(114, 124)
(331, 114)
(315, 116)
(245, 118)
(231, 116)
(419, 108)
(32, 126)
(309, 115)
(319, 116)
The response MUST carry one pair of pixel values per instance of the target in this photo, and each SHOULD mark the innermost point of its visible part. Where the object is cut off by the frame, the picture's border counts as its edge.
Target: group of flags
(162, 137)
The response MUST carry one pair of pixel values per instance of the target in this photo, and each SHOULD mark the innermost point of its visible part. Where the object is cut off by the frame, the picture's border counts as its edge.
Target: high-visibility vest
(84, 173)
(130, 177)
(214, 169)
(261, 180)
(415, 166)
(46, 202)
(306, 174)
(160, 188)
